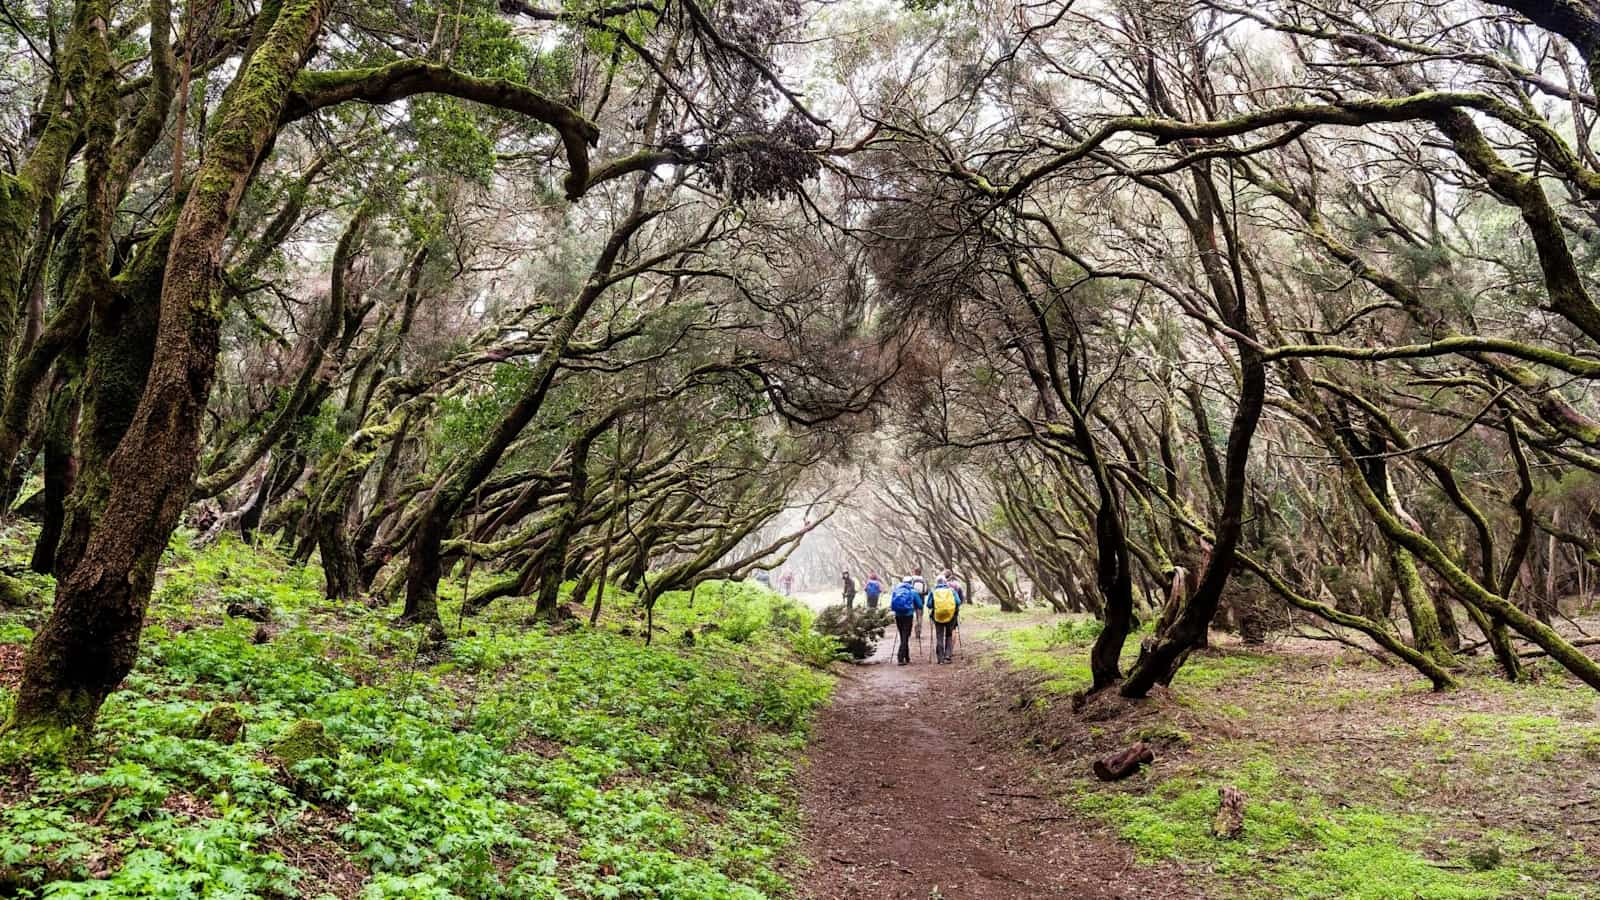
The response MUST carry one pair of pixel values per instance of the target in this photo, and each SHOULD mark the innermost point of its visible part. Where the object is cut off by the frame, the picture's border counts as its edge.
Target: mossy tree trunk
(91, 638)
(600, 572)
(121, 346)
(571, 517)
(1224, 265)
(61, 418)
(1476, 595)
(1426, 633)
(1449, 627)
(341, 567)
(1115, 582)
(250, 514)
(112, 152)
(25, 195)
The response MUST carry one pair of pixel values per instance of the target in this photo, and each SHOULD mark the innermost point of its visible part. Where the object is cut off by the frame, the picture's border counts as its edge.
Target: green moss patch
(1361, 782)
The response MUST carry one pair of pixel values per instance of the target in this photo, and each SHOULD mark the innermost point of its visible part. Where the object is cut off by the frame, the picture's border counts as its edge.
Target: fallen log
(1124, 762)
(1230, 813)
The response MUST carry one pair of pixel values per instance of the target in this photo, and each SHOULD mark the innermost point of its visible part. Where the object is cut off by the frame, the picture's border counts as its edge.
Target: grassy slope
(1361, 782)
(521, 763)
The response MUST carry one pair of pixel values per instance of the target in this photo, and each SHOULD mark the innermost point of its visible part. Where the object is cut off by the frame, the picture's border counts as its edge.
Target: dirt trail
(905, 799)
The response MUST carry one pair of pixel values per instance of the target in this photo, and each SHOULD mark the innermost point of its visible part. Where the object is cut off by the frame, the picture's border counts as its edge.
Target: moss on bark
(91, 639)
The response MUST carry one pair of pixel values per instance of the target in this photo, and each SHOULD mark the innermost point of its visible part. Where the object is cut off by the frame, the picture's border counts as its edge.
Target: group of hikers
(908, 601)
(785, 582)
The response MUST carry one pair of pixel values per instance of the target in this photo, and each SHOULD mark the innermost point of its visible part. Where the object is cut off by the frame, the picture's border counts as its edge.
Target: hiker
(944, 611)
(788, 583)
(963, 597)
(921, 586)
(872, 589)
(906, 604)
(960, 586)
(849, 591)
(950, 579)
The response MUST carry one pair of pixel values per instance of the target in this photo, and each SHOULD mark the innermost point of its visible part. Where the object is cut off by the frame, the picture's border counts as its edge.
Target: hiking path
(905, 797)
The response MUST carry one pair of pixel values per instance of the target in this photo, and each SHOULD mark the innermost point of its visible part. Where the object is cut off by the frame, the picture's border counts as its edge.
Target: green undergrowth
(1060, 648)
(1298, 843)
(1048, 649)
(1360, 782)
(524, 760)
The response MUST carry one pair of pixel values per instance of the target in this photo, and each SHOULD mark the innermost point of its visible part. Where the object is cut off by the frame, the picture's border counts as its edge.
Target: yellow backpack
(944, 604)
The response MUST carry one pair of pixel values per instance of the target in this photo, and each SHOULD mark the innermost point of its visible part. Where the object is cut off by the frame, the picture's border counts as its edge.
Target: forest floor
(973, 781)
(534, 762)
(523, 761)
(904, 798)
(1360, 781)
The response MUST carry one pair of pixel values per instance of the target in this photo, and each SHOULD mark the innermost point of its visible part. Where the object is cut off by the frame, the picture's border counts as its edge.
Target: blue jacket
(905, 600)
(873, 587)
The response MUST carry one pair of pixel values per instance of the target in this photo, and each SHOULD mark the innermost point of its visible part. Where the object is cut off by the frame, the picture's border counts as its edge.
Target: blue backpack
(903, 602)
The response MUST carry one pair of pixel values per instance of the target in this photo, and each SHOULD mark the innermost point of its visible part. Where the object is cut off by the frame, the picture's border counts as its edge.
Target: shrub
(788, 615)
(1075, 631)
(818, 650)
(858, 631)
(745, 618)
